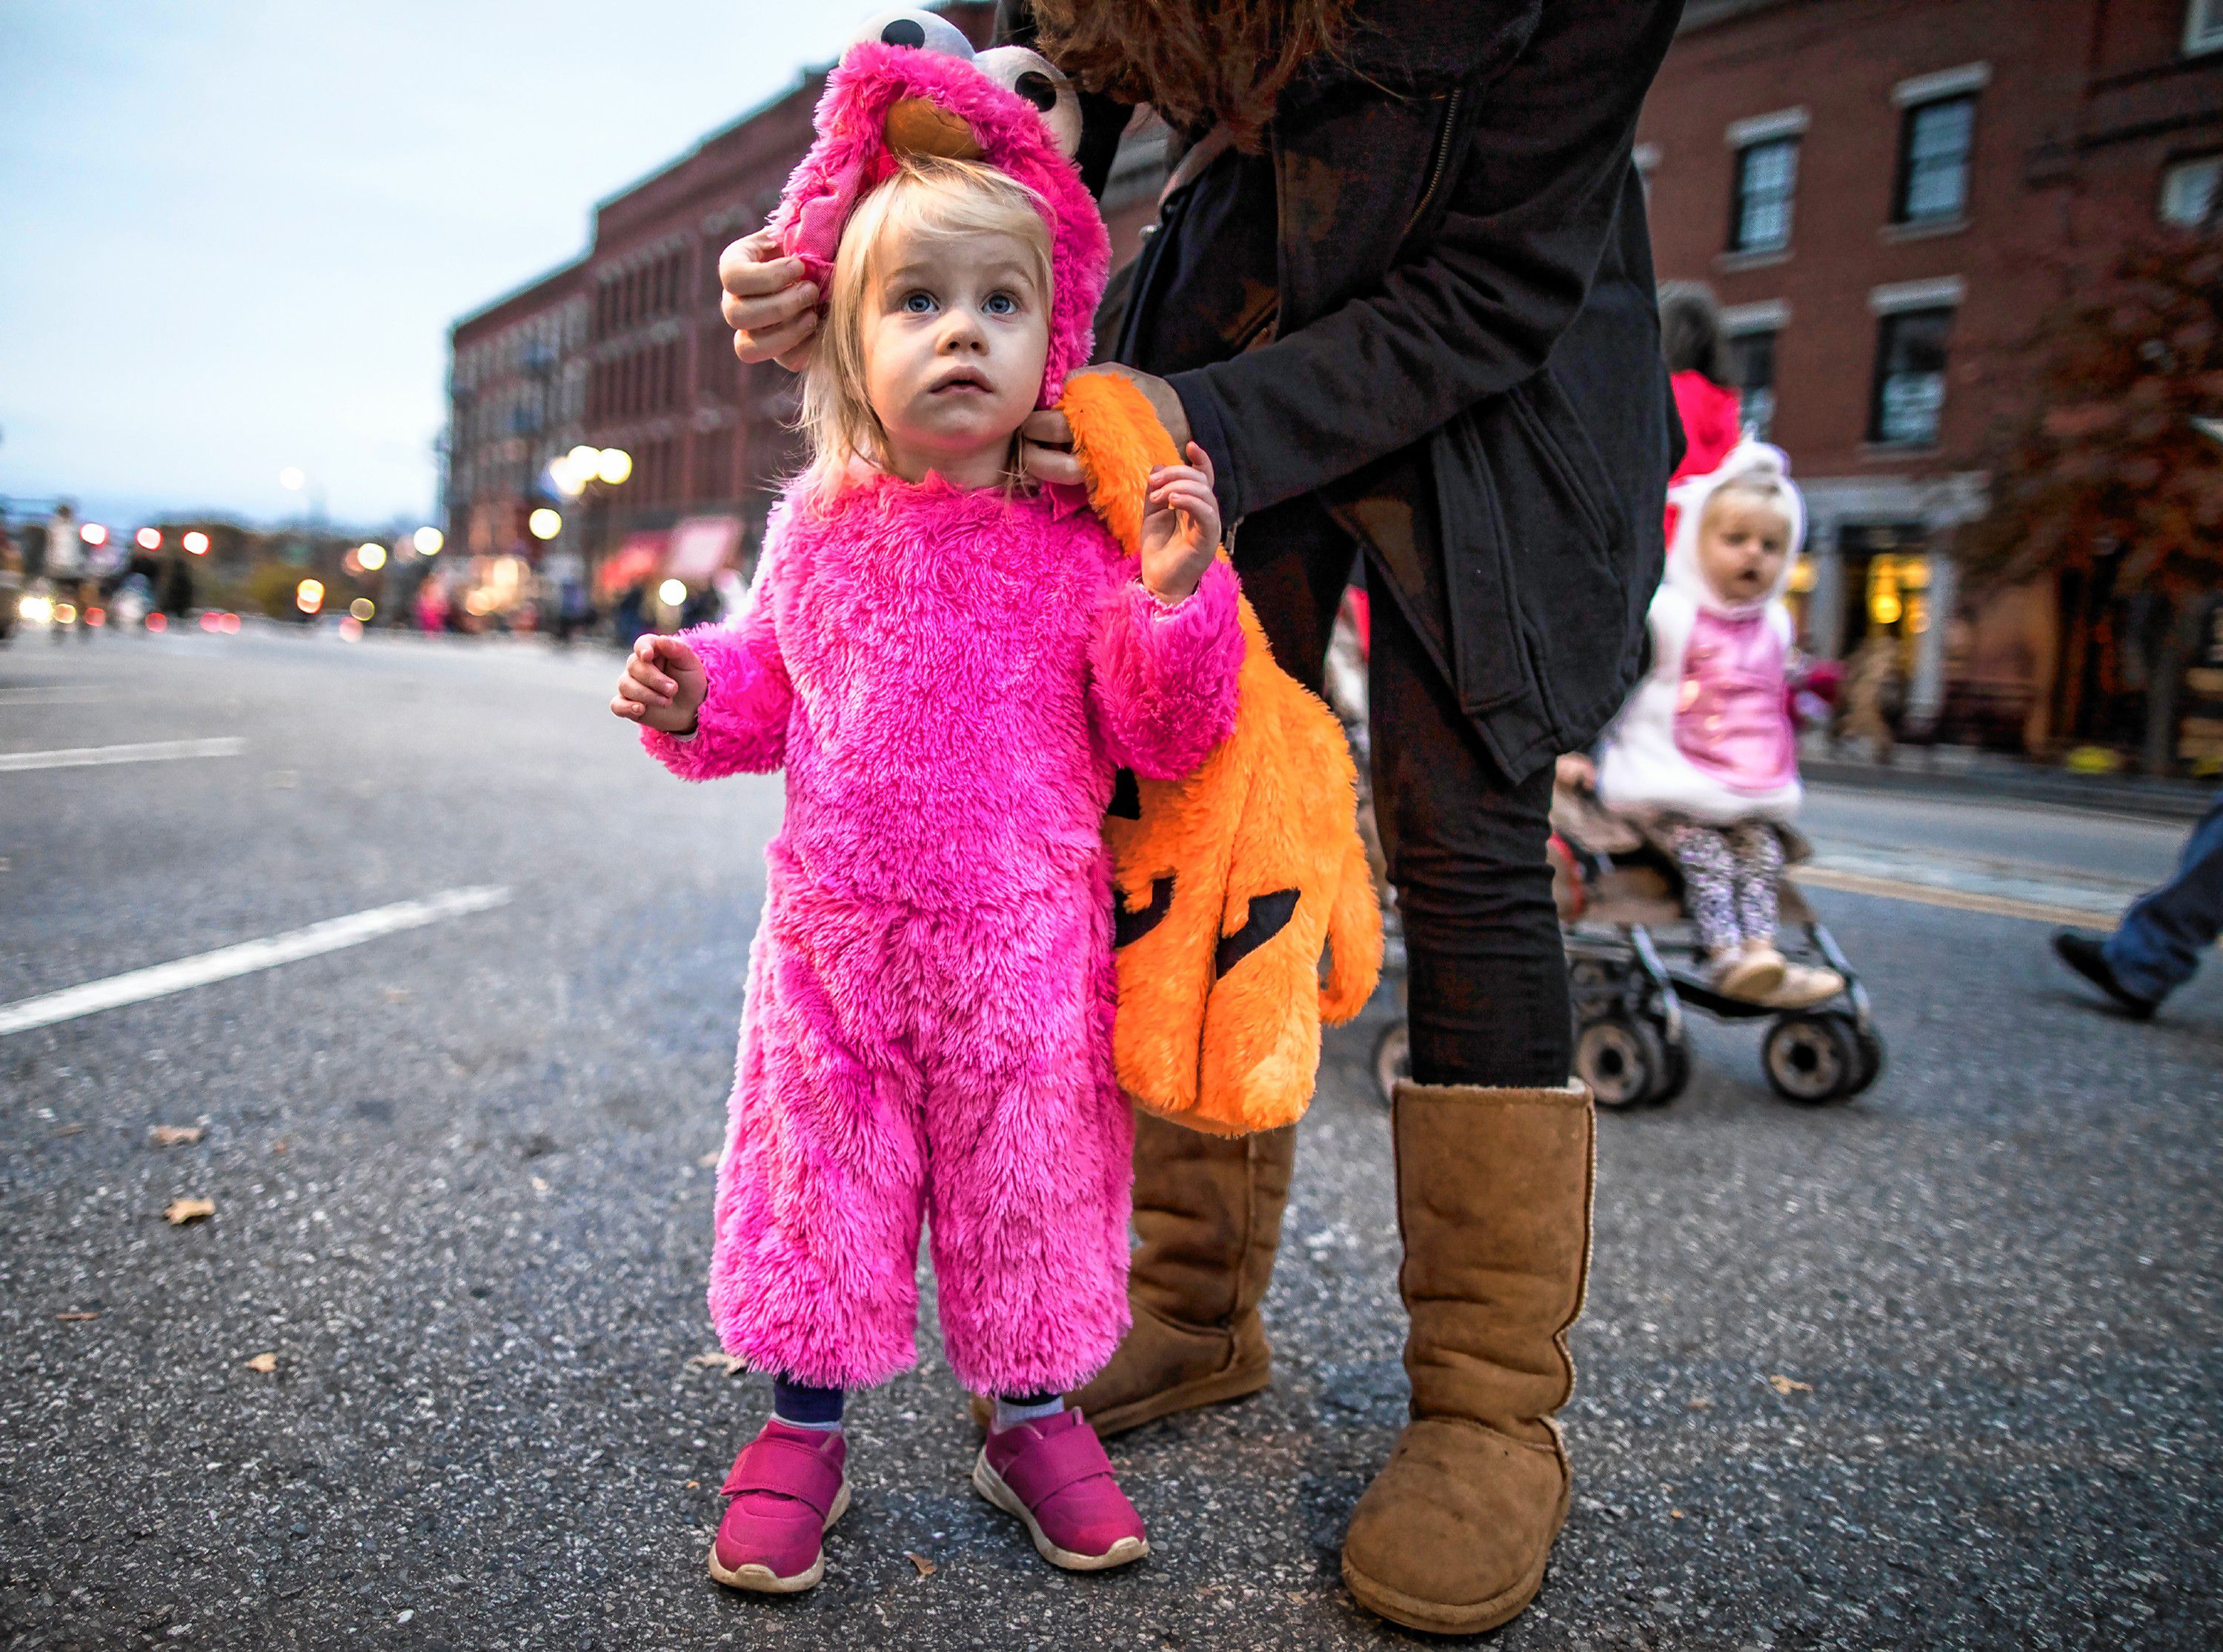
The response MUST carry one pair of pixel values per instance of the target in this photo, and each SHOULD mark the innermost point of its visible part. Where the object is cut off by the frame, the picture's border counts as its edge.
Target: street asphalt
(1939, 1367)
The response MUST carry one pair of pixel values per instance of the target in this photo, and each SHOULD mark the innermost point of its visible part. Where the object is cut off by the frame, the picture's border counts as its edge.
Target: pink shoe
(1055, 1476)
(788, 1489)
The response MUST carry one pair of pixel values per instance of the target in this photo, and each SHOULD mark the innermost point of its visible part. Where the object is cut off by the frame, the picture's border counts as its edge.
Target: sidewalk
(1962, 771)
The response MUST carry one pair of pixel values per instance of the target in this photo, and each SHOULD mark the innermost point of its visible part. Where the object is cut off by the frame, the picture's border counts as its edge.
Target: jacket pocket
(1478, 525)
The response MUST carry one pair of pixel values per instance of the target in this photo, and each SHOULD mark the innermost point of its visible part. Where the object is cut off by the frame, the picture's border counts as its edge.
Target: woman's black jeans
(1486, 987)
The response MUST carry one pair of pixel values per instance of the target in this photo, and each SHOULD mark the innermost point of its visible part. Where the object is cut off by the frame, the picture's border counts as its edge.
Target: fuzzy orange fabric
(1232, 880)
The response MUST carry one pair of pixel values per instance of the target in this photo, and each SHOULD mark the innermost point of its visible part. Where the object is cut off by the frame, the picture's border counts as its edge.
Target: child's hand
(663, 685)
(1180, 527)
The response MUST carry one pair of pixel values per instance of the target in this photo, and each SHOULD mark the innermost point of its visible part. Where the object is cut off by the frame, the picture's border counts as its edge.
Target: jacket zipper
(1441, 158)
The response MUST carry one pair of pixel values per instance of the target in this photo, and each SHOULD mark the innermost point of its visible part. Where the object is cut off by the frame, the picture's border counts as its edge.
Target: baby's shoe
(1804, 986)
(1053, 1474)
(1750, 975)
(788, 1489)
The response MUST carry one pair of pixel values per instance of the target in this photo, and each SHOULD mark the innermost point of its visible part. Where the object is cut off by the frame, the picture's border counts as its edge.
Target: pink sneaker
(788, 1489)
(1055, 1476)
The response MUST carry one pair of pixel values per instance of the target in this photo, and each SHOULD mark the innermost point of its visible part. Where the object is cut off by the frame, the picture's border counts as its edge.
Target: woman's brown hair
(1194, 61)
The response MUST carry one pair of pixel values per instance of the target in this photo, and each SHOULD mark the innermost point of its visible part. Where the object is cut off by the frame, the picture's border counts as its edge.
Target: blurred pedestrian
(69, 573)
(2158, 946)
(1418, 324)
(1706, 400)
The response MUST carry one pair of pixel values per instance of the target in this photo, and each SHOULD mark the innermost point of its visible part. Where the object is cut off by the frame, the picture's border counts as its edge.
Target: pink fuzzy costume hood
(1008, 108)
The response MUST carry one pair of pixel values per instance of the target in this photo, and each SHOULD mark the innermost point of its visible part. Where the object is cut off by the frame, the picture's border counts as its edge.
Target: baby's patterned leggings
(1729, 875)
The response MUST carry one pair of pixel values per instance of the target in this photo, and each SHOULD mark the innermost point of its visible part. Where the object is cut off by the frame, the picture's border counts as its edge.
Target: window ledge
(1884, 450)
(1759, 258)
(1923, 230)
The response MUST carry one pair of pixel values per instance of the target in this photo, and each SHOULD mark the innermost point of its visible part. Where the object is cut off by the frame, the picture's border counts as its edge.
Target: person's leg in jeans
(2159, 943)
(1494, 1158)
(1486, 989)
(1208, 1208)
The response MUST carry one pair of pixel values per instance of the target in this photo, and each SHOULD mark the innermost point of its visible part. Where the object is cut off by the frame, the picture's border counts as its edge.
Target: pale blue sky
(233, 232)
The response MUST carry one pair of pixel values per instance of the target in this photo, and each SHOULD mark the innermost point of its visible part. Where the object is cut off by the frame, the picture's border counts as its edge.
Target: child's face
(1742, 541)
(954, 334)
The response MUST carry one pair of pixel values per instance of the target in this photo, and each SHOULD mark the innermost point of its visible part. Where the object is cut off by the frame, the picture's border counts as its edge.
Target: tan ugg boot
(1208, 1212)
(1493, 1203)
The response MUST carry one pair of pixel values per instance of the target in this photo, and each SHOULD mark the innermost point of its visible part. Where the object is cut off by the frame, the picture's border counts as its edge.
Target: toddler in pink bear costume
(951, 665)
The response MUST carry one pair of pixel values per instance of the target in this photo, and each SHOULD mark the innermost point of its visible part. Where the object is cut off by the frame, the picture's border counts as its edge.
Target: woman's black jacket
(1466, 366)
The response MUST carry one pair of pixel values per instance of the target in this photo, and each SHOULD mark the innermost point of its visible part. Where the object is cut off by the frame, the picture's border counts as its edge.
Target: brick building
(624, 347)
(1885, 194)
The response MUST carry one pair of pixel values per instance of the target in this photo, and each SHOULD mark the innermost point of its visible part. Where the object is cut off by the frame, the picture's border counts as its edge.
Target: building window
(1753, 355)
(1766, 176)
(1935, 141)
(2190, 191)
(1910, 378)
(2203, 26)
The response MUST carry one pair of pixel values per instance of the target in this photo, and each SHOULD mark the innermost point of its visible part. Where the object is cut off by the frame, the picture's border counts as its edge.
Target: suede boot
(1494, 1204)
(1208, 1212)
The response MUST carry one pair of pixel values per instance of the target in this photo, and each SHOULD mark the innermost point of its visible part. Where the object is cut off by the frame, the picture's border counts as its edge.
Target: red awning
(701, 545)
(631, 562)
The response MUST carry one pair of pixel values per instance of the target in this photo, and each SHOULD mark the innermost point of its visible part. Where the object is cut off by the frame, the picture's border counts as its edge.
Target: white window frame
(2203, 27)
(1760, 129)
(1771, 316)
(1945, 83)
(1945, 292)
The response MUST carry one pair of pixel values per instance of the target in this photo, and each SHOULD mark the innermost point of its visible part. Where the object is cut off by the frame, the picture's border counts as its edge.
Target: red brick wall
(2063, 173)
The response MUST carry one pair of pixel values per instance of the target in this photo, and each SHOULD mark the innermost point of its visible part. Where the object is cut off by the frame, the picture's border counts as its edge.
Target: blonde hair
(1763, 487)
(929, 196)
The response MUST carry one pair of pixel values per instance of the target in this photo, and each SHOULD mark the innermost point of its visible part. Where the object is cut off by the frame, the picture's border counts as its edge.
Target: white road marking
(161, 979)
(56, 694)
(2004, 888)
(90, 757)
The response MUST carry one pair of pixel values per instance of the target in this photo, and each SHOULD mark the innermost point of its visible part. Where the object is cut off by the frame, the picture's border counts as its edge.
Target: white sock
(1009, 1416)
(835, 1426)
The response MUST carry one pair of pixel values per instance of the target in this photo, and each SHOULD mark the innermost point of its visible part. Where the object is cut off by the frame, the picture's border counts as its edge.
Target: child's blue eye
(918, 303)
(1001, 303)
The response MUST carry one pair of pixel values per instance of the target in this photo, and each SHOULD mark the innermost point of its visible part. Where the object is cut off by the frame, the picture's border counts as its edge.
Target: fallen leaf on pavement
(67, 1130)
(709, 1161)
(181, 1211)
(726, 1362)
(264, 1363)
(397, 995)
(76, 1318)
(176, 1135)
(1789, 1385)
(925, 1566)
(694, 1485)
(539, 1186)
(278, 1146)
(1675, 1514)
(1702, 1404)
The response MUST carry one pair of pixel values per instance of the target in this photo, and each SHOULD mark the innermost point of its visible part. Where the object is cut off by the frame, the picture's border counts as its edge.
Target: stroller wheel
(1674, 1072)
(1870, 1043)
(1816, 1058)
(1393, 1060)
(1622, 1059)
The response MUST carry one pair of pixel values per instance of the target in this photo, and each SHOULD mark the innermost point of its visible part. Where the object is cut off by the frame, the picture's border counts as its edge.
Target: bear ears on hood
(909, 83)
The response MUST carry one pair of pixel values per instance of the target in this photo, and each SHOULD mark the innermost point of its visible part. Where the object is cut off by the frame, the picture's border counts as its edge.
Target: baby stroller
(1633, 968)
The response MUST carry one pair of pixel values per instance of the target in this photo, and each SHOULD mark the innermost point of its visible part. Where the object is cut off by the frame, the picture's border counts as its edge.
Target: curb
(2164, 800)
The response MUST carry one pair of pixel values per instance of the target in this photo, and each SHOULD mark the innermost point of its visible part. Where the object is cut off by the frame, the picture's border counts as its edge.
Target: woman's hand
(1575, 771)
(1046, 440)
(773, 310)
(663, 685)
(1180, 527)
